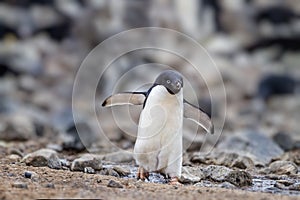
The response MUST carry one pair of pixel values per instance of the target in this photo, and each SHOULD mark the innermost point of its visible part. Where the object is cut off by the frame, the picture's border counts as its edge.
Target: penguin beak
(177, 85)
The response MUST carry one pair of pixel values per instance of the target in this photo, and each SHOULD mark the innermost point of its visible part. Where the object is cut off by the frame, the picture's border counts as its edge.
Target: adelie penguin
(158, 147)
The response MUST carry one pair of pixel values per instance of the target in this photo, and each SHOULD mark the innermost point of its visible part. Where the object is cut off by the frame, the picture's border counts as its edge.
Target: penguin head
(171, 80)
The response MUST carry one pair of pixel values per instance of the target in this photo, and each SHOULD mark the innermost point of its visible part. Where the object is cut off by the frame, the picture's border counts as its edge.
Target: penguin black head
(171, 80)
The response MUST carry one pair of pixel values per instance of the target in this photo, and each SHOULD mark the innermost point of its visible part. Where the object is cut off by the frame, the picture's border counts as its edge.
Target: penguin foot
(175, 181)
(142, 173)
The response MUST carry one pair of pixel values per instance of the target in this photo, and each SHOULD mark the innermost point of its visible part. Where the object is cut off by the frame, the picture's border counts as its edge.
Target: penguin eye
(168, 81)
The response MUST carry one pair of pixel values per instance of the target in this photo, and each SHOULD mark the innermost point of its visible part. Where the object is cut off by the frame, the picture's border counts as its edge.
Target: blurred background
(255, 44)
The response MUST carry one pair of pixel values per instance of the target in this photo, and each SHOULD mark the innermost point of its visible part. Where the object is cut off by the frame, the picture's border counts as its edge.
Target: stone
(119, 157)
(20, 185)
(114, 184)
(43, 157)
(259, 148)
(284, 141)
(188, 175)
(87, 160)
(293, 156)
(238, 178)
(27, 174)
(17, 127)
(50, 185)
(14, 158)
(282, 167)
(224, 158)
(122, 171)
(109, 172)
(89, 170)
(295, 186)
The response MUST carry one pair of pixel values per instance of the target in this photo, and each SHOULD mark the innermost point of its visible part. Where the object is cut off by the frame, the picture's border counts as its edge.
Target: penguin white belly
(159, 140)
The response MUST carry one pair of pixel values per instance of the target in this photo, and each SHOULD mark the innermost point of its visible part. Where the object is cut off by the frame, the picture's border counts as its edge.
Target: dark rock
(284, 141)
(259, 148)
(43, 157)
(114, 184)
(87, 160)
(27, 174)
(282, 167)
(274, 84)
(20, 185)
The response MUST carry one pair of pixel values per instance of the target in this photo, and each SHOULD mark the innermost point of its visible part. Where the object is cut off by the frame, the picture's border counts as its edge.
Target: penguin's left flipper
(130, 98)
(198, 116)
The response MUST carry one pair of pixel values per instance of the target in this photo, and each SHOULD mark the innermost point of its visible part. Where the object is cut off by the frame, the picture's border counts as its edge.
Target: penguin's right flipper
(129, 98)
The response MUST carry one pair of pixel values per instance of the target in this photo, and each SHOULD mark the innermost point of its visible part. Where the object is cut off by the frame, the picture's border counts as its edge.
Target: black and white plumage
(158, 145)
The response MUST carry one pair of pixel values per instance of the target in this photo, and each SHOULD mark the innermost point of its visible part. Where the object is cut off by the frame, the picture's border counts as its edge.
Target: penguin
(158, 147)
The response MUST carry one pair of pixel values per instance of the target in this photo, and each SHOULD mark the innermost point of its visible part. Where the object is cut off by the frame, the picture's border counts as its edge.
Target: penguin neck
(160, 95)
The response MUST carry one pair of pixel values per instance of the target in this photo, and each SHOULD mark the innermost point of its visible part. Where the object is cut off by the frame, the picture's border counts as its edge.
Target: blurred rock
(259, 148)
(109, 172)
(284, 141)
(122, 170)
(293, 156)
(275, 84)
(119, 157)
(224, 158)
(20, 185)
(281, 167)
(43, 157)
(17, 127)
(114, 184)
(87, 160)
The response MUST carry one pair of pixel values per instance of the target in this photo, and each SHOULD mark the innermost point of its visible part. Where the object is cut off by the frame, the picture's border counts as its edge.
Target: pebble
(88, 160)
(20, 185)
(109, 172)
(114, 184)
(122, 171)
(50, 185)
(43, 157)
(282, 167)
(284, 141)
(258, 147)
(191, 175)
(27, 174)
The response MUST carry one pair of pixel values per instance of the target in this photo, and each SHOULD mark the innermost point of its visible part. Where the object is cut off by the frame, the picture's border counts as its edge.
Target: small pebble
(20, 185)
(49, 185)
(89, 170)
(114, 184)
(27, 174)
